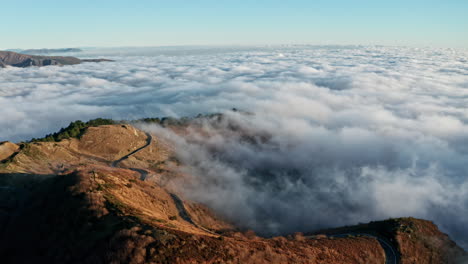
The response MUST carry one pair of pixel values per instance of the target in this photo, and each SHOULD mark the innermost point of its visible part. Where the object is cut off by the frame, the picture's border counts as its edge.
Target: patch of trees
(182, 121)
(165, 121)
(74, 130)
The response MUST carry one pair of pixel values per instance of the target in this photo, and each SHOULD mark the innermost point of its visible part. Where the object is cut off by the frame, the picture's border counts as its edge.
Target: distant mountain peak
(24, 60)
(49, 51)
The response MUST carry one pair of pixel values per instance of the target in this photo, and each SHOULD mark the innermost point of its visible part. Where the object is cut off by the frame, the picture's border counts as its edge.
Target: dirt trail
(149, 138)
(184, 214)
(143, 173)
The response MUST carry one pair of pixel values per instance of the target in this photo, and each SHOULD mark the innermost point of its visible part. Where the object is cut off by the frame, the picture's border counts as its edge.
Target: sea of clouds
(352, 134)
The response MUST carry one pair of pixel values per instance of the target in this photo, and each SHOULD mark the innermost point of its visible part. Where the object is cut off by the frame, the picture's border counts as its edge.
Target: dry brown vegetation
(7, 149)
(64, 203)
(420, 241)
(91, 216)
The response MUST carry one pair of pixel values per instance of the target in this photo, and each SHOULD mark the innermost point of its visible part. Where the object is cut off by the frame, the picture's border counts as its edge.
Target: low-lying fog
(351, 134)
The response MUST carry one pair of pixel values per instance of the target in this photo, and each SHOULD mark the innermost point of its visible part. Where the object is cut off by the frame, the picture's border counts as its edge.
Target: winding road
(181, 208)
(391, 253)
(143, 173)
(183, 213)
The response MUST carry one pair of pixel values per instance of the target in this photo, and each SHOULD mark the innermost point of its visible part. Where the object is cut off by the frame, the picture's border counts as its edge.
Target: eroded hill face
(420, 241)
(7, 149)
(107, 197)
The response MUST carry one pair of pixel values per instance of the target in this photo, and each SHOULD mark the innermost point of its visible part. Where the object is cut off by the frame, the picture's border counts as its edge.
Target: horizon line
(240, 45)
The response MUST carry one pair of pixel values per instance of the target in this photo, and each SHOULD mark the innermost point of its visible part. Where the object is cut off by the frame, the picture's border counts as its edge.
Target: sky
(116, 23)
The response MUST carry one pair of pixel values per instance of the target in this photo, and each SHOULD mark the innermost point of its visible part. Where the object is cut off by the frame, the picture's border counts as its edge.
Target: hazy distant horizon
(209, 46)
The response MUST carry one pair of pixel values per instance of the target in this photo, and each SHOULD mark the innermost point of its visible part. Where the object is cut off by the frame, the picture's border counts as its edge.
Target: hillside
(9, 58)
(7, 149)
(106, 196)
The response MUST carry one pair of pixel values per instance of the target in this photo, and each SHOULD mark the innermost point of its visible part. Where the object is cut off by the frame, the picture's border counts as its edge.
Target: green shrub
(74, 130)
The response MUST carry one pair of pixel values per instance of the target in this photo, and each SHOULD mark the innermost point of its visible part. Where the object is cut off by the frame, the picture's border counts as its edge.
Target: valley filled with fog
(354, 134)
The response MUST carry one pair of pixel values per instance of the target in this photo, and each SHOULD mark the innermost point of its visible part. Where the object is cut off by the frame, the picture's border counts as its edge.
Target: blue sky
(54, 23)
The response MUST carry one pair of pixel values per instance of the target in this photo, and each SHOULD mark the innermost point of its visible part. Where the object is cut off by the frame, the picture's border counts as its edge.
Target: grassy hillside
(74, 130)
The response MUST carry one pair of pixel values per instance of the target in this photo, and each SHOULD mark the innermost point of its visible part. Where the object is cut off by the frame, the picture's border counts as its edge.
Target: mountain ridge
(14, 59)
(92, 210)
(49, 51)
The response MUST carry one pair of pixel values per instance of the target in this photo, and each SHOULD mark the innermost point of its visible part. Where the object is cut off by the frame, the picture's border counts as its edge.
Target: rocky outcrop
(23, 60)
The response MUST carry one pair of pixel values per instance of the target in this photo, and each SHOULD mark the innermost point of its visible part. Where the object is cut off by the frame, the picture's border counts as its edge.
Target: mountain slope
(101, 215)
(83, 200)
(7, 149)
(23, 60)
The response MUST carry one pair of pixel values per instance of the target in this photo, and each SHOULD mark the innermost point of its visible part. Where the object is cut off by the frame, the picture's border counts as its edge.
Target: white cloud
(369, 132)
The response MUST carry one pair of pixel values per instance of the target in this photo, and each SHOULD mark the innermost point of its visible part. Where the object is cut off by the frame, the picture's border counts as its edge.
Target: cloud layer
(354, 133)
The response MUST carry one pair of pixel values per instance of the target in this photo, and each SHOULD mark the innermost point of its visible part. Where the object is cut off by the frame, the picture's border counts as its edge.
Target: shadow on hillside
(15, 190)
(44, 218)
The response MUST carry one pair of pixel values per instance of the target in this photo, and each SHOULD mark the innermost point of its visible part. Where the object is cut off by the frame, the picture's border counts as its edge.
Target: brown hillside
(416, 240)
(105, 198)
(7, 149)
(102, 215)
(420, 241)
(99, 145)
